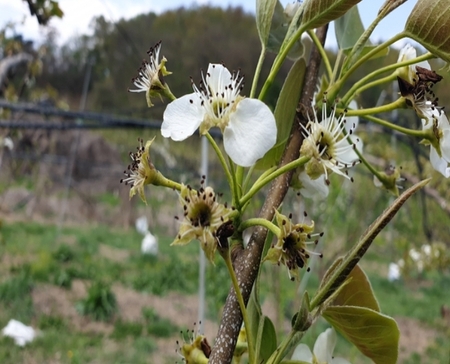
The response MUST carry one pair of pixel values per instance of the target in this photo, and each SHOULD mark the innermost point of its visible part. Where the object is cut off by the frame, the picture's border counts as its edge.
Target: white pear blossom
(322, 352)
(248, 126)
(330, 143)
(408, 73)
(418, 92)
(440, 154)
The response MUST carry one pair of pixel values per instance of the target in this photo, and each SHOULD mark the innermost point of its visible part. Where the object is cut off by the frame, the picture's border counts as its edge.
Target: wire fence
(34, 174)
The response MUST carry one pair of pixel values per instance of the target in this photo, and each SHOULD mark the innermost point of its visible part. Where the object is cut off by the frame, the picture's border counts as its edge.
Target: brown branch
(246, 261)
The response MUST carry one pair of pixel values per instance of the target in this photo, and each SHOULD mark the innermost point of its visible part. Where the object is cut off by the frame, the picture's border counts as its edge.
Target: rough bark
(246, 261)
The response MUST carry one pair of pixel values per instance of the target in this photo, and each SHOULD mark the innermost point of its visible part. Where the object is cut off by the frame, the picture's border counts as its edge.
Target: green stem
(414, 133)
(240, 299)
(280, 353)
(363, 84)
(235, 187)
(264, 181)
(281, 56)
(360, 87)
(163, 181)
(356, 49)
(374, 51)
(333, 91)
(221, 159)
(168, 93)
(239, 179)
(339, 58)
(322, 52)
(261, 59)
(260, 222)
(248, 177)
(367, 164)
(398, 104)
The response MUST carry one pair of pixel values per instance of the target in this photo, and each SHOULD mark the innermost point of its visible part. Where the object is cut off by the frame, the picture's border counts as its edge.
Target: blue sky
(78, 14)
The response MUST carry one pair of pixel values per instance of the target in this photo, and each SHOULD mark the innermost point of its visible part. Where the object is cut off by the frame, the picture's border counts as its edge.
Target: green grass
(42, 258)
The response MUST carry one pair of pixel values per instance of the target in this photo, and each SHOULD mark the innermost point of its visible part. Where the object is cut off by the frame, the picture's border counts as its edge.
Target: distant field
(45, 280)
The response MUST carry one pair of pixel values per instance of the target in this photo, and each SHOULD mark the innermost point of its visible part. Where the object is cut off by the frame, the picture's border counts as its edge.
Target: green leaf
(320, 12)
(357, 292)
(373, 333)
(285, 112)
(261, 330)
(348, 28)
(288, 99)
(264, 15)
(353, 39)
(266, 342)
(278, 31)
(254, 315)
(340, 271)
(429, 24)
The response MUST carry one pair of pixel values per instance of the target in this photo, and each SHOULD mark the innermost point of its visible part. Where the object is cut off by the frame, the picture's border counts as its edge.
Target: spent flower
(322, 352)
(203, 217)
(421, 97)
(390, 180)
(151, 74)
(195, 348)
(141, 171)
(248, 126)
(291, 248)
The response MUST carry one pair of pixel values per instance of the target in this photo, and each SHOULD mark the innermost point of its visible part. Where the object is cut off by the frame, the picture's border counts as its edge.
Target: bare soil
(179, 309)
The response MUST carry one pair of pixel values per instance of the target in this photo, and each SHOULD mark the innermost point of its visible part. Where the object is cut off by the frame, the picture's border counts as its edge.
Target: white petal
(251, 132)
(444, 141)
(324, 345)
(406, 53)
(445, 144)
(182, 117)
(439, 164)
(303, 353)
(311, 188)
(218, 77)
(349, 155)
(377, 182)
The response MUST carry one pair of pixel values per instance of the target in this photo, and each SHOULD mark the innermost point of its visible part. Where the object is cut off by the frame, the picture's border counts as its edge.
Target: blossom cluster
(415, 83)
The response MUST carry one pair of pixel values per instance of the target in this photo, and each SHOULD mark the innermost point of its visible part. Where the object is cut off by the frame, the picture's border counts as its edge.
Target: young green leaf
(357, 292)
(280, 27)
(348, 28)
(338, 272)
(266, 342)
(429, 24)
(373, 333)
(320, 12)
(264, 15)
